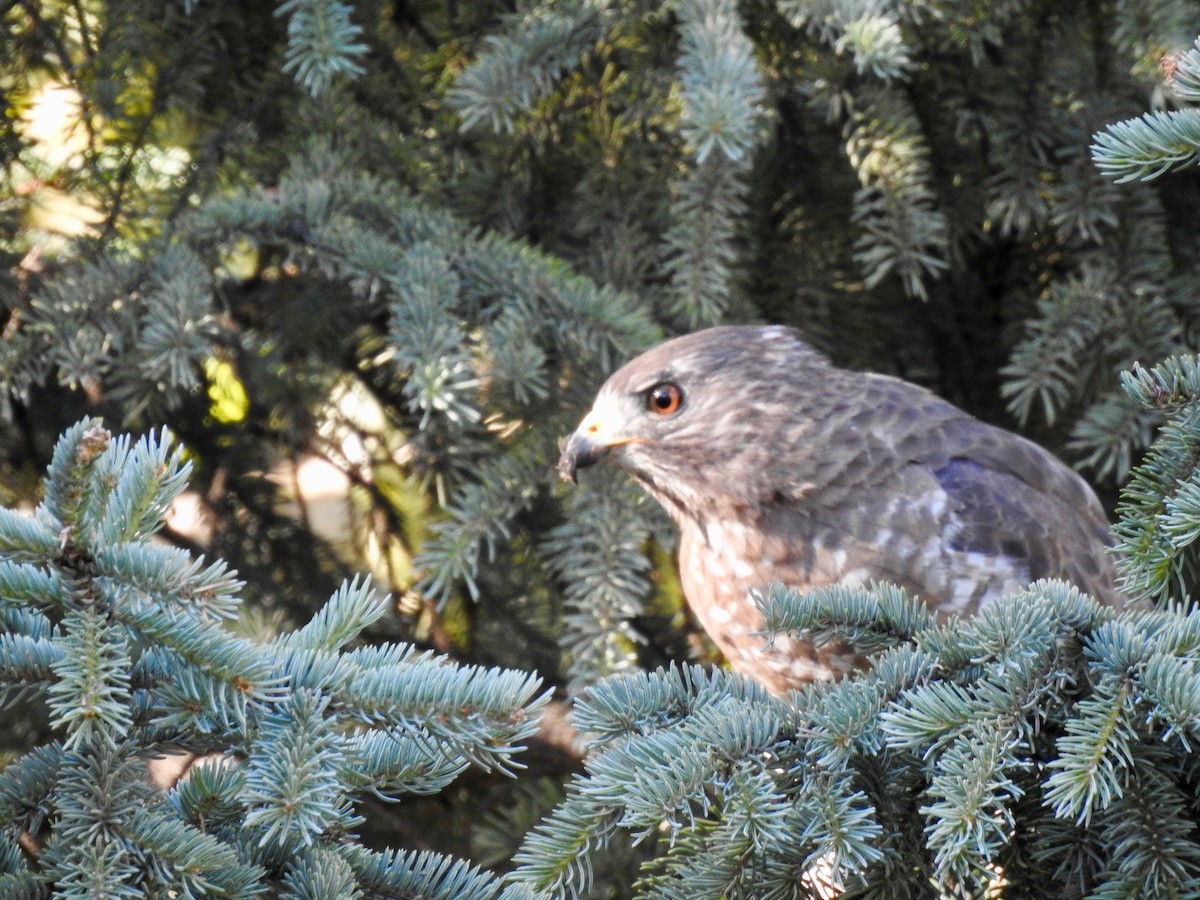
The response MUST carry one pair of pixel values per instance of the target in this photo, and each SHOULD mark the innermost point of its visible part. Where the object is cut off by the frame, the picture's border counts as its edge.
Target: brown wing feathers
(778, 466)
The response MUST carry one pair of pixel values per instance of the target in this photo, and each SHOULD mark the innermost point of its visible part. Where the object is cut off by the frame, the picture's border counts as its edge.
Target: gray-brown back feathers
(778, 466)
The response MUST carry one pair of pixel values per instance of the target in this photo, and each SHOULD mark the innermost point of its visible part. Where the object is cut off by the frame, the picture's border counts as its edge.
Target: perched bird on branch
(778, 466)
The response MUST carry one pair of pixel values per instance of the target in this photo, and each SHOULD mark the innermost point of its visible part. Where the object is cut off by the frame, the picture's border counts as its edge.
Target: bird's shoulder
(954, 507)
(896, 425)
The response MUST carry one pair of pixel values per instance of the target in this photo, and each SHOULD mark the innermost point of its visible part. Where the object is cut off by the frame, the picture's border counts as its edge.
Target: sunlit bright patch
(229, 400)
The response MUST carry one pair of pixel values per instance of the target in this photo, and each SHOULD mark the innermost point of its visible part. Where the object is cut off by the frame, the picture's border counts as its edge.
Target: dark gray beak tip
(577, 453)
(566, 468)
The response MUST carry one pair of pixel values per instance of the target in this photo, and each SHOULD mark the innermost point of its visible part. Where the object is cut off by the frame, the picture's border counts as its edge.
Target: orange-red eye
(664, 399)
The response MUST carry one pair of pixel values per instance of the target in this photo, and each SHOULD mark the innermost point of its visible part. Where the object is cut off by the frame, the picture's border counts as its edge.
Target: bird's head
(688, 417)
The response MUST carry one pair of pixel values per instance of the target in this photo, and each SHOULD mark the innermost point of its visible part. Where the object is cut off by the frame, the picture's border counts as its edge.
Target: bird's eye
(664, 399)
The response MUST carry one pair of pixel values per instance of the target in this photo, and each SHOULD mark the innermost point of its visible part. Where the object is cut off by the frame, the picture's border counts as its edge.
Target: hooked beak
(588, 445)
(578, 452)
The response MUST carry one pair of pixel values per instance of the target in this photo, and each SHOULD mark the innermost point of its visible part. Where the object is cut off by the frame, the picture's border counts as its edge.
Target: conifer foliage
(124, 640)
(1158, 523)
(1044, 749)
(411, 238)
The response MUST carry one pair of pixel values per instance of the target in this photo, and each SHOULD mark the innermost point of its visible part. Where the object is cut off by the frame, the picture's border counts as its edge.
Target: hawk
(778, 466)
